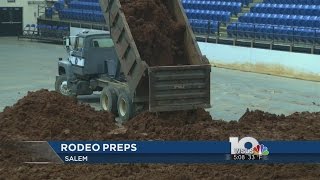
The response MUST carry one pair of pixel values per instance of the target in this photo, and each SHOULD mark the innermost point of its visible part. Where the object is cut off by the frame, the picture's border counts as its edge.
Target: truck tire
(125, 107)
(61, 86)
(108, 100)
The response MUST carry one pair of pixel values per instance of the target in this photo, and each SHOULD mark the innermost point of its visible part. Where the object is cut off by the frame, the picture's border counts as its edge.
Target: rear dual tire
(108, 100)
(125, 107)
(121, 105)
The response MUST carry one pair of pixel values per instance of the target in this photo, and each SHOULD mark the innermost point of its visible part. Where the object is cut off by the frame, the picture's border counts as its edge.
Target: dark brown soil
(45, 115)
(159, 38)
(165, 172)
(198, 125)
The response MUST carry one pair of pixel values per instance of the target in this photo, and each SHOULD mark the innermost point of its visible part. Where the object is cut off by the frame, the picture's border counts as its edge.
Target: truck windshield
(102, 43)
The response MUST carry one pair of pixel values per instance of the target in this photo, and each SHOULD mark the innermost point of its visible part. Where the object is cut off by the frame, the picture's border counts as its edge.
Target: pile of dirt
(45, 115)
(176, 172)
(158, 36)
(198, 125)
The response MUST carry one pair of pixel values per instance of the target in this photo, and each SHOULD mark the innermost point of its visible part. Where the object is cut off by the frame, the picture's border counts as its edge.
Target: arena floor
(29, 66)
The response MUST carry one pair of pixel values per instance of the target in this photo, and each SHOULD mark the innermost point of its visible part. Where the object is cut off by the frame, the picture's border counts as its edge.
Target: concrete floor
(29, 66)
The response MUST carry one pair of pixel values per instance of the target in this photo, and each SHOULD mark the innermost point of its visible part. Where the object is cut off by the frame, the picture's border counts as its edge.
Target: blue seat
(230, 30)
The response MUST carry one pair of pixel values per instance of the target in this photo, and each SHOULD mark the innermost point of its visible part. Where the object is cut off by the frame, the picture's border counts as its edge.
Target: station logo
(248, 148)
(261, 150)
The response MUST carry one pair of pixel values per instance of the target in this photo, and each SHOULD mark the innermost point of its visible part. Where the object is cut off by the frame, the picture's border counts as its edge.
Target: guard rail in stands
(274, 33)
(45, 32)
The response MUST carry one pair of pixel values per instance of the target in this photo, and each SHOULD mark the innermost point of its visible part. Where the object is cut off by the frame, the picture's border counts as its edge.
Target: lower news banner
(245, 150)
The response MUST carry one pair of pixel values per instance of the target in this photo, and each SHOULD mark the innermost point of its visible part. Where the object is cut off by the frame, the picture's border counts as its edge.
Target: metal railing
(292, 36)
(289, 35)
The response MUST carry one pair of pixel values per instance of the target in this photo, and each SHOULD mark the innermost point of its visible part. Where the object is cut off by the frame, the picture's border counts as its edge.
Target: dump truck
(110, 62)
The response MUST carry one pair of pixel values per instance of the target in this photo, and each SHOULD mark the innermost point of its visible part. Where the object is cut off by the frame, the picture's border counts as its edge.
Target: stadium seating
(264, 31)
(84, 5)
(48, 12)
(244, 2)
(82, 15)
(290, 9)
(204, 26)
(288, 20)
(59, 5)
(222, 16)
(232, 7)
(82, 10)
(94, 1)
(205, 15)
(52, 31)
(45, 31)
(309, 2)
(280, 19)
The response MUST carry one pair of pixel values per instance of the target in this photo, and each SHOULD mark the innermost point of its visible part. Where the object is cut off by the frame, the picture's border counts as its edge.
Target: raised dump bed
(179, 84)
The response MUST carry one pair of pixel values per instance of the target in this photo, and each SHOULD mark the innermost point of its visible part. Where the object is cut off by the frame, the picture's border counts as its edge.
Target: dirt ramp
(45, 115)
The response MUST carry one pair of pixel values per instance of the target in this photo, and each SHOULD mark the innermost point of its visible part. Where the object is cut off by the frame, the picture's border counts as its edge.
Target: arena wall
(30, 9)
(280, 63)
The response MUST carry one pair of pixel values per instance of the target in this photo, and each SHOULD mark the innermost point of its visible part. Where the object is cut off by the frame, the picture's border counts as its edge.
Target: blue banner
(247, 150)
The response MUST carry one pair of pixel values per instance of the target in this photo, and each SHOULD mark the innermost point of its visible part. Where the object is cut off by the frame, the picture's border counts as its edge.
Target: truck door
(77, 58)
(77, 53)
(102, 57)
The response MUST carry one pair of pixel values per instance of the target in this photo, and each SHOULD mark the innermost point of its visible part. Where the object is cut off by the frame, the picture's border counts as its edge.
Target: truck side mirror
(67, 42)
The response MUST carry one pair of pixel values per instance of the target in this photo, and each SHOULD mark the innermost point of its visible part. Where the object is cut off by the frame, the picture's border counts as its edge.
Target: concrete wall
(288, 64)
(30, 9)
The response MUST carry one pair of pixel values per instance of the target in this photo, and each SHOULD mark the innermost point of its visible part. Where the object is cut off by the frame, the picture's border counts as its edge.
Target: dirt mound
(198, 125)
(45, 115)
(159, 38)
(177, 172)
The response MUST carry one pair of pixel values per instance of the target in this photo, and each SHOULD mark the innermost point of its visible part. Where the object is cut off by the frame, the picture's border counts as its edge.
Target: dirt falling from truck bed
(158, 36)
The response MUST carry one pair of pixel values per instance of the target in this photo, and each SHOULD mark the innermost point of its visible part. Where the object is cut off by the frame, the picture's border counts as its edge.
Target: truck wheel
(108, 100)
(61, 86)
(125, 107)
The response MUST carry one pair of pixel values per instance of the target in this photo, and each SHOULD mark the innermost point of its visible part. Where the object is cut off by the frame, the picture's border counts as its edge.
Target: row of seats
(82, 15)
(44, 30)
(48, 12)
(263, 31)
(222, 16)
(310, 2)
(59, 5)
(243, 2)
(94, 1)
(49, 27)
(204, 26)
(280, 19)
(85, 5)
(233, 7)
(311, 10)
